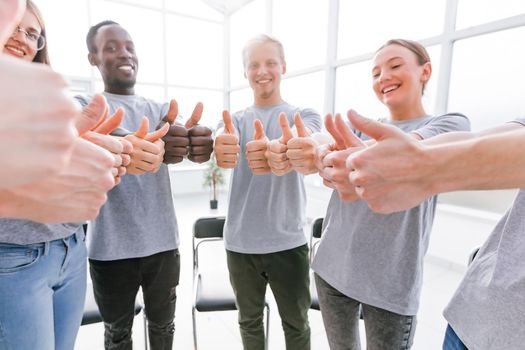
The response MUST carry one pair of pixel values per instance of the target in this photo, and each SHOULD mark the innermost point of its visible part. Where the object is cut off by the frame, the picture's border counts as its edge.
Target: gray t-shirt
(138, 219)
(375, 258)
(488, 309)
(266, 213)
(14, 231)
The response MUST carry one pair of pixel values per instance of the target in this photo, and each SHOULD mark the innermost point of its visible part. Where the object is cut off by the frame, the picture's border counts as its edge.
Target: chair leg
(267, 336)
(194, 327)
(145, 330)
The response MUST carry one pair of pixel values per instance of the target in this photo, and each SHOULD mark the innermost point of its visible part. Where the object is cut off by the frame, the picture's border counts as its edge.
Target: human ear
(92, 59)
(426, 72)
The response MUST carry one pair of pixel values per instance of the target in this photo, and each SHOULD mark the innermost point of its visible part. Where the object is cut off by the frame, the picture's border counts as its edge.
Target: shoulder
(309, 112)
(83, 99)
(451, 116)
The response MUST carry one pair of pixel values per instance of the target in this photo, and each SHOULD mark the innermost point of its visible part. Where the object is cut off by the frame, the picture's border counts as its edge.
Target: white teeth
(390, 88)
(126, 68)
(263, 81)
(15, 50)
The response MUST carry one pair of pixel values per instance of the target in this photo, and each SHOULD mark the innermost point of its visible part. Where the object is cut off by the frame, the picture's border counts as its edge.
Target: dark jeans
(115, 285)
(384, 329)
(452, 341)
(287, 274)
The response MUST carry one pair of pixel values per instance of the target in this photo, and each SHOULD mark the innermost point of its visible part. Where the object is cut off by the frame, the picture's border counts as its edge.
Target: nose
(19, 35)
(123, 52)
(261, 70)
(384, 75)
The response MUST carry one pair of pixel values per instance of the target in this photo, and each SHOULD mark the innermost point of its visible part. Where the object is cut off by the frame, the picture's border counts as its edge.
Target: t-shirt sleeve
(311, 119)
(83, 100)
(443, 124)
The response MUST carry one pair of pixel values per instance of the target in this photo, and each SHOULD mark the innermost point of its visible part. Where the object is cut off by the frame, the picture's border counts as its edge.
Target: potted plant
(213, 177)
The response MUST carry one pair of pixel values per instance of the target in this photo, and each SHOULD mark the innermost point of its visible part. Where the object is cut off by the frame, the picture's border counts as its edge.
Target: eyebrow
(391, 59)
(31, 29)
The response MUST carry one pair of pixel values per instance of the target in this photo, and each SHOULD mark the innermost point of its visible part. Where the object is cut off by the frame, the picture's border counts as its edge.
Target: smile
(15, 50)
(389, 88)
(126, 68)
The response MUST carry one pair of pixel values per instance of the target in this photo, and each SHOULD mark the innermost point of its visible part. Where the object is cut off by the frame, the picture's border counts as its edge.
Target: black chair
(92, 314)
(315, 238)
(212, 291)
(472, 255)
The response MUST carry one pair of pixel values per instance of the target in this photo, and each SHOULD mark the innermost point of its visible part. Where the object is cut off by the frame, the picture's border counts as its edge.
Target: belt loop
(46, 248)
(79, 234)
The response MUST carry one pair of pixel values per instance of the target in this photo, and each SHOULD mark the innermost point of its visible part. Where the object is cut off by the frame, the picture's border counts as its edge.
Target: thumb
(228, 124)
(143, 128)
(372, 128)
(195, 116)
(91, 114)
(11, 13)
(111, 123)
(259, 130)
(157, 134)
(299, 125)
(173, 112)
(285, 127)
(331, 128)
(349, 138)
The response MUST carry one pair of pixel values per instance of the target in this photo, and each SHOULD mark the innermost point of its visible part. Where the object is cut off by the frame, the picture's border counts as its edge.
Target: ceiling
(226, 7)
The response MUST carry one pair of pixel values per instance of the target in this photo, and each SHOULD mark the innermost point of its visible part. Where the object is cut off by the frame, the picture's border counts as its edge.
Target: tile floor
(218, 330)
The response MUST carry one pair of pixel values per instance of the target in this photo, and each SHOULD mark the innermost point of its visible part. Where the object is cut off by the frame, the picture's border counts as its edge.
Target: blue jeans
(42, 291)
(452, 341)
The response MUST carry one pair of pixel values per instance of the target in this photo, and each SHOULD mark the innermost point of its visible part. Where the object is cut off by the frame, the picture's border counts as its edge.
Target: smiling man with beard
(134, 241)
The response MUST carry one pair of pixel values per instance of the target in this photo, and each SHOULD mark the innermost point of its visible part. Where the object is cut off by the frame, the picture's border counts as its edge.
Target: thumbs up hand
(200, 136)
(191, 139)
(256, 149)
(148, 148)
(302, 150)
(227, 146)
(276, 153)
(97, 110)
(333, 157)
(176, 140)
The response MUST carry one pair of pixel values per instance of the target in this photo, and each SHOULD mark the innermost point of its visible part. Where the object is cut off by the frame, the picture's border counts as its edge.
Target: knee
(117, 335)
(162, 328)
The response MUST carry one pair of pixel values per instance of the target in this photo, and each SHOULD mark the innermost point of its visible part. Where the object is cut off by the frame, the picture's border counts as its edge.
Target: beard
(122, 83)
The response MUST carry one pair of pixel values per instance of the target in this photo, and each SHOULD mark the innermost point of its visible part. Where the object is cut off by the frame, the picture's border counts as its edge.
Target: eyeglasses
(32, 37)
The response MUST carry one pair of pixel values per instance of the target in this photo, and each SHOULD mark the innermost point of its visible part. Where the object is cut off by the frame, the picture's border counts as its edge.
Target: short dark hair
(90, 38)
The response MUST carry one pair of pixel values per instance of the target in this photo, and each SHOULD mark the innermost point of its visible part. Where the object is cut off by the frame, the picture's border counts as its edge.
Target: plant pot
(214, 204)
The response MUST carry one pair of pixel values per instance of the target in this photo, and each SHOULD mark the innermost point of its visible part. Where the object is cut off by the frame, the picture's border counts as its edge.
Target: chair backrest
(472, 255)
(211, 227)
(205, 230)
(315, 236)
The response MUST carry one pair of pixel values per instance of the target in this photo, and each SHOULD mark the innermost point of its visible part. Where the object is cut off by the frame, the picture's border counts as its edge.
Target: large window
(366, 25)
(245, 23)
(474, 12)
(194, 52)
(309, 47)
(487, 78)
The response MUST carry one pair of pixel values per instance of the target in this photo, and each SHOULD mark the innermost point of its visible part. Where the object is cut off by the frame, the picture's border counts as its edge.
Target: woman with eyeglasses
(42, 266)
(28, 40)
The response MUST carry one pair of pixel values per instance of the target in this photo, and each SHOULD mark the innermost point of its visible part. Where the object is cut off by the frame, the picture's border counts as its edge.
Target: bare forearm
(492, 161)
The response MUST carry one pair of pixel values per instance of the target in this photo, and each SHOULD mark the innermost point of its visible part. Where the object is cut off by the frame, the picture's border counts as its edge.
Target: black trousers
(115, 285)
